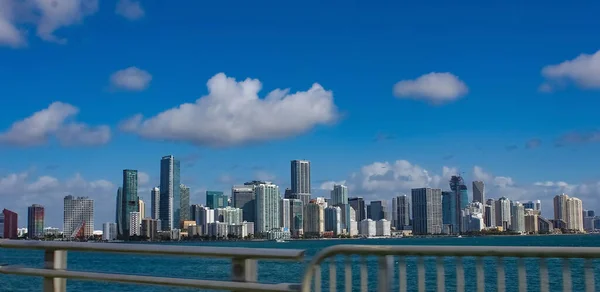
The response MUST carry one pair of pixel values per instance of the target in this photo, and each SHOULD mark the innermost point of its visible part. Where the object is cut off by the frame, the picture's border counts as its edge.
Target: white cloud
(47, 16)
(129, 9)
(328, 185)
(583, 71)
(232, 113)
(132, 78)
(20, 190)
(143, 178)
(262, 175)
(54, 121)
(435, 88)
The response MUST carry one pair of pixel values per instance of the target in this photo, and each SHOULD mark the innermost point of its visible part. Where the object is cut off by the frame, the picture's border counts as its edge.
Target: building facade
(78, 220)
(130, 197)
(267, 208)
(427, 211)
(243, 197)
(184, 205)
(170, 195)
(339, 195)
(35, 221)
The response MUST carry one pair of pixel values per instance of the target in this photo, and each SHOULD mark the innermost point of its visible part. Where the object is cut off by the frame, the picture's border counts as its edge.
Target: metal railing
(244, 269)
(391, 257)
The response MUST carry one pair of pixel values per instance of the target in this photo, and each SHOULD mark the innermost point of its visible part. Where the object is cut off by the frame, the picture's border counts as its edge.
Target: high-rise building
(135, 224)
(244, 198)
(267, 207)
(109, 231)
(457, 185)
(339, 195)
(296, 216)
(333, 219)
(130, 197)
(35, 221)
(517, 220)
(170, 195)
(402, 212)
(479, 192)
(533, 205)
(78, 218)
(150, 228)
(560, 207)
(204, 217)
(449, 217)
(216, 199)
(472, 217)
(588, 220)
(574, 214)
(314, 219)
(8, 224)
(489, 215)
(300, 177)
(503, 213)
(119, 213)
(155, 203)
(358, 203)
(427, 211)
(379, 210)
(185, 203)
(142, 208)
(285, 214)
(229, 215)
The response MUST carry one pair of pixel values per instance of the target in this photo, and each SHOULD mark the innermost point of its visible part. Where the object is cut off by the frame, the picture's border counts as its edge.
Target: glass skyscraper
(449, 215)
(119, 212)
(35, 221)
(216, 199)
(457, 185)
(170, 195)
(130, 198)
(185, 203)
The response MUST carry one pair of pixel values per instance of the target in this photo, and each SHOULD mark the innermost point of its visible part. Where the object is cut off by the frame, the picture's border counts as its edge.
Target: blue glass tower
(449, 209)
(170, 195)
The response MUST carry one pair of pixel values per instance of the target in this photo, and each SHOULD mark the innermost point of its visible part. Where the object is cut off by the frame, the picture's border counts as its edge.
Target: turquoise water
(276, 272)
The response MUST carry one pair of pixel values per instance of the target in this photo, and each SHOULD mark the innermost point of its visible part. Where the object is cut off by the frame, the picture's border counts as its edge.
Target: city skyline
(383, 98)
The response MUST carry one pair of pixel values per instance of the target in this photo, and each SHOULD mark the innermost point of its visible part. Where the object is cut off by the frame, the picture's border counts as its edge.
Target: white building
(142, 208)
(339, 195)
(314, 219)
(218, 229)
(368, 228)
(155, 203)
(284, 213)
(229, 215)
(78, 216)
(267, 207)
(205, 217)
(333, 220)
(383, 228)
(353, 228)
(109, 231)
(503, 209)
(135, 223)
(472, 217)
(517, 219)
(574, 208)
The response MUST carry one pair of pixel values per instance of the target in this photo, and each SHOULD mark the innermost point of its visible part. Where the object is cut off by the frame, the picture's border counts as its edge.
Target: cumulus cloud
(328, 185)
(129, 9)
(47, 17)
(143, 178)
(232, 114)
(132, 79)
(583, 71)
(55, 121)
(435, 88)
(20, 190)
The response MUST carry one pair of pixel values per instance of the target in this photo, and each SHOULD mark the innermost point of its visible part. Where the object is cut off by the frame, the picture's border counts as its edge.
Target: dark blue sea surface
(292, 272)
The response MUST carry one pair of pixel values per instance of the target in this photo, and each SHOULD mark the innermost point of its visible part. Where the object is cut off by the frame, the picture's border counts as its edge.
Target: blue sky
(408, 94)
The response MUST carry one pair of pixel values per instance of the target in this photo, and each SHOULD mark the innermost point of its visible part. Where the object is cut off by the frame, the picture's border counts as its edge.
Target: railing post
(55, 260)
(385, 277)
(244, 270)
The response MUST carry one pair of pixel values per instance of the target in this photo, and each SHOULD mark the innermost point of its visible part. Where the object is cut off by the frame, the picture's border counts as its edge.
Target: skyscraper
(379, 210)
(216, 199)
(427, 211)
(333, 219)
(517, 220)
(170, 195)
(78, 218)
(300, 180)
(119, 219)
(358, 203)
(142, 208)
(285, 214)
(296, 216)
(267, 207)
(457, 185)
(560, 207)
(479, 192)
(8, 224)
(185, 203)
(574, 214)
(155, 203)
(244, 198)
(503, 213)
(402, 212)
(130, 197)
(339, 195)
(449, 216)
(35, 221)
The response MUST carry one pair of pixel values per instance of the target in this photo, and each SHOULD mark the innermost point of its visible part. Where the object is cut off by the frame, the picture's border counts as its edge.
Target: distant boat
(460, 236)
(280, 240)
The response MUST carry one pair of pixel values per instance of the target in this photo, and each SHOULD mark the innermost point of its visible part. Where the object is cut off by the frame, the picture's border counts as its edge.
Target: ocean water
(292, 272)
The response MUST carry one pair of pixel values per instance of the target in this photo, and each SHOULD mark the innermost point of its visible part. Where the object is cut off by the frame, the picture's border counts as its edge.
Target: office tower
(395, 212)
(135, 224)
(300, 172)
(574, 214)
(119, 219)
(204, 217)
(109, 231)
(78, 218)
(314, 219)
(170, 195)
(517, 220)
(427, 211)
(267, 207)
(369, 212)
(288, 194)
(449, 217)
(503, 216)
(195, 212)
(296, 216)
(155, 203)
(457, 185)
(560, 207)
(339, 195)
(359, 206)
(588, 220)
(333, 219)
(229, 215)
(379, 210)
(216, 199)
(479, 192)
(531, 221)
(185, 203)
(142, 208)
(35, 221)
(130, 197)
(402, 212)
(8, 224)
(244, 198)
(285, 214)
(150, 228)
(489, 215)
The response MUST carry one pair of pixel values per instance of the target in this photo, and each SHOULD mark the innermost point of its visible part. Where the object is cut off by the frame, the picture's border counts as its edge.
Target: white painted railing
(244, 269)
(392, 260)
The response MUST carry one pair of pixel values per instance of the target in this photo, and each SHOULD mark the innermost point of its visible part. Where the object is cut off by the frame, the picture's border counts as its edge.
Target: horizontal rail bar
(205, 251)
(149, 280)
